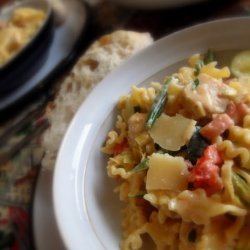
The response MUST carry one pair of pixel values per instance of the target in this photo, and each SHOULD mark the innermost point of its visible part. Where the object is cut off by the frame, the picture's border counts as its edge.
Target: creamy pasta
(180, 155)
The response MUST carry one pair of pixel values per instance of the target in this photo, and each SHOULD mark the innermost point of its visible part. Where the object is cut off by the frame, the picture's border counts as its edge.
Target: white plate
(156, 4)
(87, 211)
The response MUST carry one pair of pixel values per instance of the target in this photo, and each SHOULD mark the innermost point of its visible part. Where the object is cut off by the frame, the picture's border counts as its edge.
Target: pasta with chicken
(180, 155)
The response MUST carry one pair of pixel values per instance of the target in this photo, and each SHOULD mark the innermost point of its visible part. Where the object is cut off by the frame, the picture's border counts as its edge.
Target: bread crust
(101, 57)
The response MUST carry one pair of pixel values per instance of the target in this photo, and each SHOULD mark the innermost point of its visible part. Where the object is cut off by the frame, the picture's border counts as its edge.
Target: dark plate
(21, 66)
(66, 43)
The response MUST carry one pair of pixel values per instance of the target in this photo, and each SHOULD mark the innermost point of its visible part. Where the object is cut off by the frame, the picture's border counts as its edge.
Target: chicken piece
(207, 98)
(136, 124)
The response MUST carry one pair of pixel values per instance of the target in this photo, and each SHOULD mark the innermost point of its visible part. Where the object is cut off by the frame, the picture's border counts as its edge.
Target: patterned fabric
(21, 154)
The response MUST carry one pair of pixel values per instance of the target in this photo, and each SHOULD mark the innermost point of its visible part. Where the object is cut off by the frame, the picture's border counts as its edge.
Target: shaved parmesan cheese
(166, 173)
(172, 132)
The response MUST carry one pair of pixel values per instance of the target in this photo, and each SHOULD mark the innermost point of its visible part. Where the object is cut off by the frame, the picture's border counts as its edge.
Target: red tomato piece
(212, 153)
(206, 173)
(119, 147)
(206, 176)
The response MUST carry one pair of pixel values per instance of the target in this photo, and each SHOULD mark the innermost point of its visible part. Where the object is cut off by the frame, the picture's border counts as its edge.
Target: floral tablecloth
(20, 150)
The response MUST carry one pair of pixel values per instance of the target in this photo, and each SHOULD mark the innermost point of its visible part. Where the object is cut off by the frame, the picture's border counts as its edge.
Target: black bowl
(30, 58)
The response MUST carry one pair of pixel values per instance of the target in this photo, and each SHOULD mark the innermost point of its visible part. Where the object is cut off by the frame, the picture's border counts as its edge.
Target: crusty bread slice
(100, 58)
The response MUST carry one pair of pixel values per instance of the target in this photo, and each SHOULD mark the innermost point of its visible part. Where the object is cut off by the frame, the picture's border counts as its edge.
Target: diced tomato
(212, 154)
(206, 173)
(217, 126)
(207, 177)
(119, 147)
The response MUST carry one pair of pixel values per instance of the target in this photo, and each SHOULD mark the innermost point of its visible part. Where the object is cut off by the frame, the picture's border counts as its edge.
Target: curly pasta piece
(114, 171)
(160, 200)
(164, 235)
(232, 151)
(142, 97)
(120, 165)
(187, 201)
(133, 223)
(228, 192)
(220, 233)
(210, 69)
(139, 97)
(186, 74)
(240, 135)
(246, 121)
(115, 137)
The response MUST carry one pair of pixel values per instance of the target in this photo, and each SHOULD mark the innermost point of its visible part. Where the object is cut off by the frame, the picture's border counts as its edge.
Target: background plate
(156, 4)
(67, 41)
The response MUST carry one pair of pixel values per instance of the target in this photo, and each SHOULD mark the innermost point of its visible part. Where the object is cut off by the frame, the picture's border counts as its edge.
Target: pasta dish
(18, 31)
(180, 155)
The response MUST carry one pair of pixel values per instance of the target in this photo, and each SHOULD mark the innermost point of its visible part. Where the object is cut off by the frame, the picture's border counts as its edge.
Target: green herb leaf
(209, 57)
(195, 83)
(198, 67)
(138, 195)
(143, 165)
(158, 104)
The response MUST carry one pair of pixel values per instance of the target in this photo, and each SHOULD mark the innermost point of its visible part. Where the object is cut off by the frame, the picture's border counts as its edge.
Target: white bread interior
(101, 57)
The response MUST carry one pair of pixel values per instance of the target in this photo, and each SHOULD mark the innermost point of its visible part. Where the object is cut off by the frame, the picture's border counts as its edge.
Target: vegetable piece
(205, 174)
(240, 65)
(209, 56)
(143, 165)
(119, 147)
(195, 83)
(196, 146)
(212, 153)
(137, 195)
(217, 126)
(158, 104)
(241, 188)
(172, 132)
(198, 67)
(166, 173)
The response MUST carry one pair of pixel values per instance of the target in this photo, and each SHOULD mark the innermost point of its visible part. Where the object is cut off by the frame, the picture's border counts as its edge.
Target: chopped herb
(138, 195)
(195, 83)
(143, 165)
(192, 235)
(198, 67)
(137, 109)
(209, 57)
(158, 104)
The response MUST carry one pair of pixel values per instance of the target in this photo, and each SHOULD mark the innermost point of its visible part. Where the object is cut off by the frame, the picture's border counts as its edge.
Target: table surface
(20, 150)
